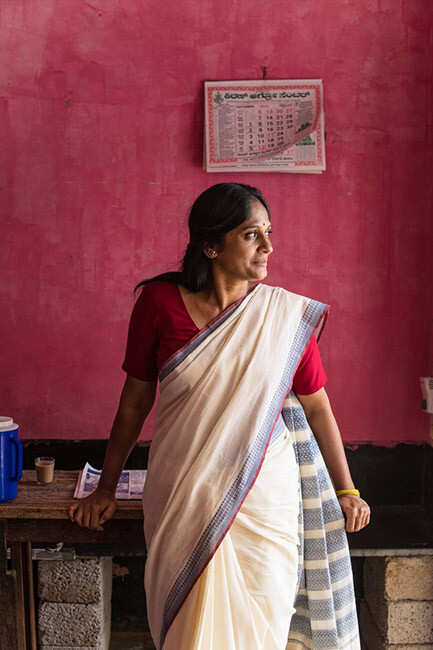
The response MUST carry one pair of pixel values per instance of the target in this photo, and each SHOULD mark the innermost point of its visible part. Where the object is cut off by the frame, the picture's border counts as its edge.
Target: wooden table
(39, 516)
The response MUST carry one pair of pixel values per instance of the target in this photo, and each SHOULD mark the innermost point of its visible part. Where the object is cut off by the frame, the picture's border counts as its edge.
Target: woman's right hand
(94, 510)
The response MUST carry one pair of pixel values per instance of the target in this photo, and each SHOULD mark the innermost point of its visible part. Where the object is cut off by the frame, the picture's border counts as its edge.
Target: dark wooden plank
(18, 566)
(128, 533)
(8, 598)
(3, 547)
(8, 619)
(30, 600)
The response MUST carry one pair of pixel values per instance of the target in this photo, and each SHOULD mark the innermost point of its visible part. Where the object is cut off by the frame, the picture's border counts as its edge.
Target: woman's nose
(266, 245)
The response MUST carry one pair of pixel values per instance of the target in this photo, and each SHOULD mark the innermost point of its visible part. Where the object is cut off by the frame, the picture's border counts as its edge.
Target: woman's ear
(210, 253)
(210, 250)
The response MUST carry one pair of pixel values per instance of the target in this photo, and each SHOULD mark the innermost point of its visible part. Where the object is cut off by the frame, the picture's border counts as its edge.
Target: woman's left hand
(356, 510)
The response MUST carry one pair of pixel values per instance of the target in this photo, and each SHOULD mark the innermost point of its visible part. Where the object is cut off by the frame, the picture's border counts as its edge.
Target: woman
(245, 538)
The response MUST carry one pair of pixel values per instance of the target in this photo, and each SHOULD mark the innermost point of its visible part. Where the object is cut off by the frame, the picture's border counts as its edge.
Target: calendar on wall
(264, 126)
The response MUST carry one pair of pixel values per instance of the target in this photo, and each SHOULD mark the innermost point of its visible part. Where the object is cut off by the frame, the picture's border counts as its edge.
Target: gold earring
(211, 253)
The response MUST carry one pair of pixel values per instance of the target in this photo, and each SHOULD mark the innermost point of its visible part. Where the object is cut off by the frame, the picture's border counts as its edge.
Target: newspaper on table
(130, 485)
(264, 126)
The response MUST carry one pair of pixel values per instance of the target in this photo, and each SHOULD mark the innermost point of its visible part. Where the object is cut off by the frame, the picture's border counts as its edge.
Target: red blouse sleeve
(141, 347)
(310, 375)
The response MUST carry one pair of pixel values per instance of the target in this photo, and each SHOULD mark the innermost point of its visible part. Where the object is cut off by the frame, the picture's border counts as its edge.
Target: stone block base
(75, 604)
(82, 581)
(398, 610)
(374, 640)
(399, 578)
(67, 624)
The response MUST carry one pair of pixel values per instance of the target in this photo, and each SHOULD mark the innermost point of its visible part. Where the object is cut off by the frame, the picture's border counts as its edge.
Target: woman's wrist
(347, 491)
(108, 489)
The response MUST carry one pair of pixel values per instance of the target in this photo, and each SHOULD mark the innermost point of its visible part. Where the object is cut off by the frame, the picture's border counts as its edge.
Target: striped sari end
(325, 617)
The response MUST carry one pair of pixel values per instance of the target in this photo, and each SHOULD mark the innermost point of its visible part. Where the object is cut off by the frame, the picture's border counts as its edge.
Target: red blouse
(160, 325)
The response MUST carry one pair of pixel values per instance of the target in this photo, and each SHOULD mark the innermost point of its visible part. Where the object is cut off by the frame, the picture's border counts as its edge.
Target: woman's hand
(356, 510)
(94, 510)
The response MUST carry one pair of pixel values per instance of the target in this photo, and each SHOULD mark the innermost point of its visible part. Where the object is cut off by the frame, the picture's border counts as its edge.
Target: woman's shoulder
(285, 294)
(281, 292)
(154, 295)
(158, 289)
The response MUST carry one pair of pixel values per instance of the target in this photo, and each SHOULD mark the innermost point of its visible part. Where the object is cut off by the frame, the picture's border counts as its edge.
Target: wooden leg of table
(21, 559)
(18, 565)
(9, 636)
(31, 612)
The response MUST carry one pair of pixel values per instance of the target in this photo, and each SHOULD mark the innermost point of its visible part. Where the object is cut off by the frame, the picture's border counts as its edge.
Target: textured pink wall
(101, 141)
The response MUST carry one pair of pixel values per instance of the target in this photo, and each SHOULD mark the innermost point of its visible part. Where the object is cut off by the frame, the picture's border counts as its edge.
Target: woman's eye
(253, 234)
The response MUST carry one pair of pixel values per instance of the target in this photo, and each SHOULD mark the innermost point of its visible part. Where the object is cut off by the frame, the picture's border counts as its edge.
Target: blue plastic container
(11, 459)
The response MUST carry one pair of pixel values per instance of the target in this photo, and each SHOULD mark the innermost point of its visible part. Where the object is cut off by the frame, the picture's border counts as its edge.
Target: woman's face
(247, 247)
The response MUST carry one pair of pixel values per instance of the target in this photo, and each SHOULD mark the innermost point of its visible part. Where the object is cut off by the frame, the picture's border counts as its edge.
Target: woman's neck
(224, 293)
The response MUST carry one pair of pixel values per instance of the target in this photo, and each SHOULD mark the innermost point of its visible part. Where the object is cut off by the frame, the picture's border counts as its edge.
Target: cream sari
(222, 499)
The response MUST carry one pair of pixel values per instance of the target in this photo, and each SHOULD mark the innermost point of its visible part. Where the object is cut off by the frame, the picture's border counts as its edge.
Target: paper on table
(130, 485)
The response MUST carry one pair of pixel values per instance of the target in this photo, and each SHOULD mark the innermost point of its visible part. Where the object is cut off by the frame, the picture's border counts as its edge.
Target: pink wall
(101, 141)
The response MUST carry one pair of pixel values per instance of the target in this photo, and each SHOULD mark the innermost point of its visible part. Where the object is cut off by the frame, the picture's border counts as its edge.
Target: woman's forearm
(135, 405)
(324, 426)
(124, 433)
(328, 438)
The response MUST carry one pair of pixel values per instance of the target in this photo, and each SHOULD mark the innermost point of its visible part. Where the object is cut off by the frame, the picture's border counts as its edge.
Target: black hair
(215, 212)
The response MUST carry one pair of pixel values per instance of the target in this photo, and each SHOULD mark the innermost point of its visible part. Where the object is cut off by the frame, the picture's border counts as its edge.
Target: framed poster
(264, 126)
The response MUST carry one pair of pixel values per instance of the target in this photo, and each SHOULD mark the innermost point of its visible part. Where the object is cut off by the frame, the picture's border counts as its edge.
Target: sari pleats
(244, 598)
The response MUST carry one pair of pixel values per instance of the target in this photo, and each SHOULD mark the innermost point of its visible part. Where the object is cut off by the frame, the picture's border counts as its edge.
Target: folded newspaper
(130, 485)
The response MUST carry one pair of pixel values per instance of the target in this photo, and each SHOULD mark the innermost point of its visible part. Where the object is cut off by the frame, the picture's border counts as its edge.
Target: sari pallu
(221, 397)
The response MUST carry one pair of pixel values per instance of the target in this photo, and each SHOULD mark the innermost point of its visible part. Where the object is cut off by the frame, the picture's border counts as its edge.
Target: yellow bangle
(340, 493)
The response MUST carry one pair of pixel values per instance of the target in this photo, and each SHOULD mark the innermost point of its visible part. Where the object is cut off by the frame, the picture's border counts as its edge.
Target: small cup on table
(44, 466)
